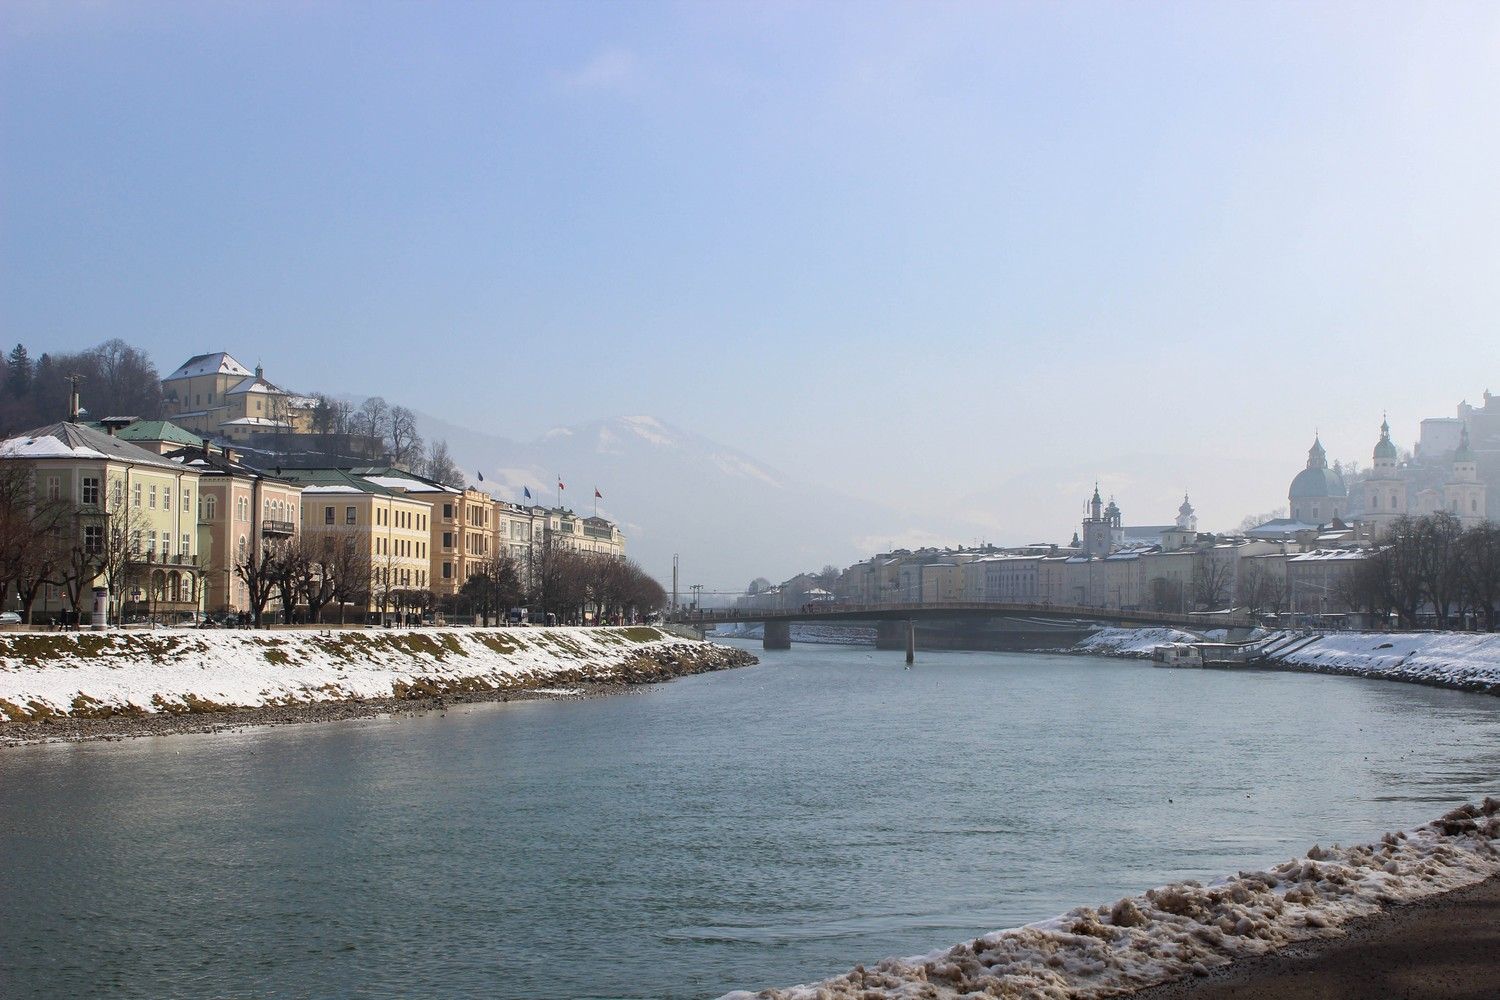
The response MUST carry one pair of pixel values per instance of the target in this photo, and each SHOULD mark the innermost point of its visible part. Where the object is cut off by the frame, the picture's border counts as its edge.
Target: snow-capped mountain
(728, 516)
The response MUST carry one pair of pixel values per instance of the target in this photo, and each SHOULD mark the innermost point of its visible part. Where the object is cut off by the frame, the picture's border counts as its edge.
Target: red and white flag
(597, 494)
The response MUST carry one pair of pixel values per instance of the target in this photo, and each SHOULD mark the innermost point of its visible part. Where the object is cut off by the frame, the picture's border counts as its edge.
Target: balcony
(277, 528)
(152, 558)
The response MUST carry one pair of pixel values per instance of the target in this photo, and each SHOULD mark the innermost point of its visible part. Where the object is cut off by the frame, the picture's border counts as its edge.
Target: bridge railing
(838, 610)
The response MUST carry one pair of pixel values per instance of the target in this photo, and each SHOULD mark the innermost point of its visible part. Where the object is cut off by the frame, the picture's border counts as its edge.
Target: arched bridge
(778, 621)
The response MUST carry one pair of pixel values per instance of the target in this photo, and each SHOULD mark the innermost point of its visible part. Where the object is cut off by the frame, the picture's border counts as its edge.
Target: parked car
(9, 618)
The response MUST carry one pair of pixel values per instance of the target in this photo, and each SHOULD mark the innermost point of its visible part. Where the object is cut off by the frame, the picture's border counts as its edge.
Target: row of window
(400, 577)
(400, 547)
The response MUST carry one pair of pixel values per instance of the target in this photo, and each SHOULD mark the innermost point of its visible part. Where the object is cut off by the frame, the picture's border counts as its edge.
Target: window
(187, 499)
(327, 515)
(447, 539)
(349, 515)
(447, 512)
(93, 538)
(150, 543)
(166, 544)
(166, 498)
(187, 543)
(151, 497)
(210, 508)
(54, 487)
(135, 543)
(90, 495)
(135, 496)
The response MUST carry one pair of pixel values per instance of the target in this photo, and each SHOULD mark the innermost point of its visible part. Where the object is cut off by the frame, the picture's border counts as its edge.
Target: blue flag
(526, 490)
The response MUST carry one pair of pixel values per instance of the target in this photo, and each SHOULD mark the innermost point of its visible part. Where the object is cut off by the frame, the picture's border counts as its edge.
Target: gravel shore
(1444, 947)
(651, 667)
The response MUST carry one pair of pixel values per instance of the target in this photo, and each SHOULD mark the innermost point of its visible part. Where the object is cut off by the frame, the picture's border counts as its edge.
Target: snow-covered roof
(256, 384)
(1280, 526)
(333, 488)
(253, 422)
(218, 363)
(79, 441)
(1330, 555)
(406, 485)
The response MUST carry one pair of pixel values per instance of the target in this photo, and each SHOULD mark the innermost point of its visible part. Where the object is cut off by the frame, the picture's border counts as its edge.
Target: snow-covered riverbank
(1464, 661)
(1186, 928)
(1467, 661)
(99, 675)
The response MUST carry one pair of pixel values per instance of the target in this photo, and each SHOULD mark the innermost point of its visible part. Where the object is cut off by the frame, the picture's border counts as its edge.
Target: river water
(764, 826)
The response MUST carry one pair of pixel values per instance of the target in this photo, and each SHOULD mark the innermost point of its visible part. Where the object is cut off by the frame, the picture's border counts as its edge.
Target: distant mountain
(729, 517)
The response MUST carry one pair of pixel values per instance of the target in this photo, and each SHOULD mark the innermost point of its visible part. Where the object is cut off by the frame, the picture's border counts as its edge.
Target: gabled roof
(69, 440)
(218, 363)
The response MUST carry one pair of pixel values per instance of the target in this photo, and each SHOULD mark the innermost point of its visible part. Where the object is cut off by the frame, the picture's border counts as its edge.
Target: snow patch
(1132, 642)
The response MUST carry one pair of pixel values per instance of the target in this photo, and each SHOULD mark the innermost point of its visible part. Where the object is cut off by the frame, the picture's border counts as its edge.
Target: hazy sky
(967, 254)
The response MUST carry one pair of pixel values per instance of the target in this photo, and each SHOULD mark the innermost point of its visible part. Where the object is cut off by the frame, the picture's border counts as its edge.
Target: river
(763, 826)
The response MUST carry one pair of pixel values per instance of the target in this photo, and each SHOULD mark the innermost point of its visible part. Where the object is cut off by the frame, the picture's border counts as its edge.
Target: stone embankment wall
(109, 674)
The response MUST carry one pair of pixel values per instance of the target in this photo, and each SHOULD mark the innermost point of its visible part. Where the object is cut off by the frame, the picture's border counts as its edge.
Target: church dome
(1384, 448)
(1317, 484)
(1317, 481)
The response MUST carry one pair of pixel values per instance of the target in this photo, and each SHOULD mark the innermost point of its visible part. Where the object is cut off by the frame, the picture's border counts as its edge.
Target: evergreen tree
(18, 372)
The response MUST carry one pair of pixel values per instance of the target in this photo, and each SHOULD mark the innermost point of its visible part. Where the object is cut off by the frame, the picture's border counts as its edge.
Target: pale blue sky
(986, 252)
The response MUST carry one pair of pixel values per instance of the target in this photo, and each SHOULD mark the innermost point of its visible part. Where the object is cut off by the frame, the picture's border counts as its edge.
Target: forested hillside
(115, 379)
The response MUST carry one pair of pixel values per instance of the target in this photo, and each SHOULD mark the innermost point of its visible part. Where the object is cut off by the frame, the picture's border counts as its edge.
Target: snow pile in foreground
(94, 674)
(1466, 660)
(1129, 641)
(1186, 928)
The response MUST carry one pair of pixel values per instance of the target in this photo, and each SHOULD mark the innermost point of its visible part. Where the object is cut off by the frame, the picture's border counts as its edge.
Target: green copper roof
(157, 430)
(1384, 448)
(1464, 452)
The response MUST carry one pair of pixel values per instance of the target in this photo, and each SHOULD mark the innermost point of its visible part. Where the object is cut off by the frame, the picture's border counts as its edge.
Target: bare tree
(370, 421)
(349, 569)
(1212, 582)
(494, 587)
(306, 561)
(440, 466)
(1480, 561)
(257, 568)
(401, 431)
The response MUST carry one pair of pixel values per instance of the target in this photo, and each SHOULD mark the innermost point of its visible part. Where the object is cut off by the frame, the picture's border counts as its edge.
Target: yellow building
(216, 396)
(386, 527)
(132, 522)
(462, 522)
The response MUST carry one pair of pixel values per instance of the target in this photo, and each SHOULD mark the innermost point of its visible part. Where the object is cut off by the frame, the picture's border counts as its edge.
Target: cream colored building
(391, 529)
(216, 396)
(240, 511)
(125, 500)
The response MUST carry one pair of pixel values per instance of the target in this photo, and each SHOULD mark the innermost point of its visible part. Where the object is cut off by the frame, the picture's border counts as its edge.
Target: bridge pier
(778, 635)
(911, 642)
(890, 634)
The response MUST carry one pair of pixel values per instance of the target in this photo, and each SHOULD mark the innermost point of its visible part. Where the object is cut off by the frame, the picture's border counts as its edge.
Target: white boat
(1176, 654)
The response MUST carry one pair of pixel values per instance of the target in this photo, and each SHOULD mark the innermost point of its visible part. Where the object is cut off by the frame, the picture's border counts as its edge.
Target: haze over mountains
(727, 515)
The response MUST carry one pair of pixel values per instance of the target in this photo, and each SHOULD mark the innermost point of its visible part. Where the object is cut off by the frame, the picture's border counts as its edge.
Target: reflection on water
(765, 826)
